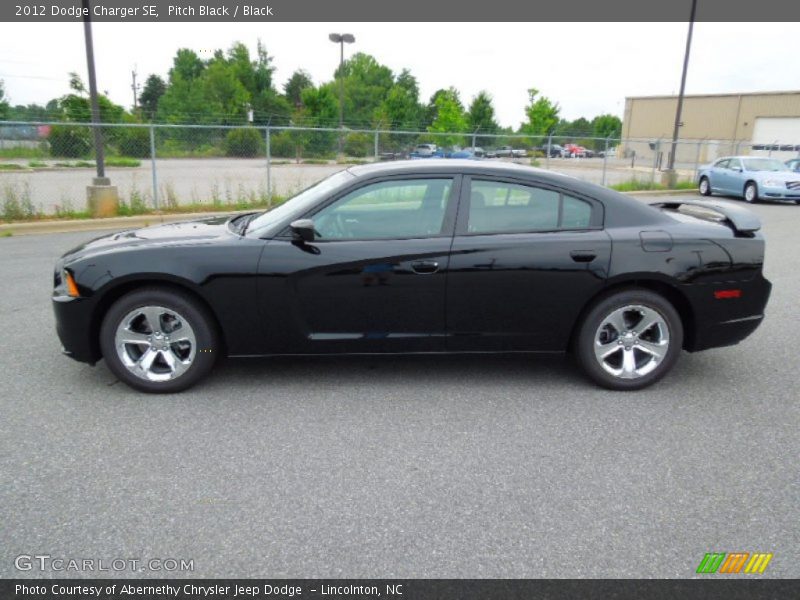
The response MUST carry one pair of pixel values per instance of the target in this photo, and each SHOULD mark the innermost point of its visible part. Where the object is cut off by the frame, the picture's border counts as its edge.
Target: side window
(735, 163)
(498, 207)
(722, 164)
(387, 210)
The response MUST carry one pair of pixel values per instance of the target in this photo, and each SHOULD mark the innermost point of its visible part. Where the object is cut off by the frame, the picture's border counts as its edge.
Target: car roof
(741, 156)
(461, 165)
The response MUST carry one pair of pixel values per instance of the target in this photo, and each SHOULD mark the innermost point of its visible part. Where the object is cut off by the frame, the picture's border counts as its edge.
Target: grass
(10, 167)
(22, 152)
(122, 161)
(37, 164)
(636, 185)
(16, 205)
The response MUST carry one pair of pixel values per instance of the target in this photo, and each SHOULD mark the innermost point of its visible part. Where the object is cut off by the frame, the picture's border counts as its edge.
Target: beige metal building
(713, 125)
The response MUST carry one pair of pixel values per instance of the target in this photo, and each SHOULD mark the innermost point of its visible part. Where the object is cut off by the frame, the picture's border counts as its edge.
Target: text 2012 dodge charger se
(418, 256)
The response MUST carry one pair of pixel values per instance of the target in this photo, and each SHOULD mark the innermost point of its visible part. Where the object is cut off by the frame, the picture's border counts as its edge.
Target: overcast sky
(589, 68)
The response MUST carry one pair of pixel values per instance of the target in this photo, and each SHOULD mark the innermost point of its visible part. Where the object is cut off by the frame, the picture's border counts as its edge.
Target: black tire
(192, 312)
(751, 187)
(705, 190)
(584, 347)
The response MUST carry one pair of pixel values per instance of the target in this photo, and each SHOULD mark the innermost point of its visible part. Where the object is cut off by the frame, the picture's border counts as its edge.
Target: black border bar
(152, 11)
(727, 587)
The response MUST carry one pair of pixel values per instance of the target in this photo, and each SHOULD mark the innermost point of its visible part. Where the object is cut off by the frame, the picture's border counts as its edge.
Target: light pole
(341, 39)
(101, 196)
(670, 175)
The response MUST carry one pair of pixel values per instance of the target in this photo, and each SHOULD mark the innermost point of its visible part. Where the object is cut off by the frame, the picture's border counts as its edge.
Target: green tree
(4, 106)
(154, 88)
(320, 109)
(293, 88)
(606, 126)
(450, 117)
(542, 114)
(480, 116)
(366, 84)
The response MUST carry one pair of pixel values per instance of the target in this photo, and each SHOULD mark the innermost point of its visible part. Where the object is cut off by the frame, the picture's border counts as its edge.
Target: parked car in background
(424, 150)
(509, 152)
(575, 151)
(793, 164)
(476, 151)
(555, 150)
(753, 178)
(425, 256)
(610, 153)
(465, 153)
(400, 155)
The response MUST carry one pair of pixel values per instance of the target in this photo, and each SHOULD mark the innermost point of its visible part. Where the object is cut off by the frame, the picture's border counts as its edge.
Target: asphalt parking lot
(401, 467)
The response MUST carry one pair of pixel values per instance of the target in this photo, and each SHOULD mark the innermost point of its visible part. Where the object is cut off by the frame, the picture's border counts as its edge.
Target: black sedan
(420, 257)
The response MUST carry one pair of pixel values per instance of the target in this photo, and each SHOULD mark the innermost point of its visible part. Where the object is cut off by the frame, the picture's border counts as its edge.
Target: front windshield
(764, 164)
(299, 203)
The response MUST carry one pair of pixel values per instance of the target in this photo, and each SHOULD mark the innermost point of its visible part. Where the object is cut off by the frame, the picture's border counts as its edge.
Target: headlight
(65, 284)
(772, 183)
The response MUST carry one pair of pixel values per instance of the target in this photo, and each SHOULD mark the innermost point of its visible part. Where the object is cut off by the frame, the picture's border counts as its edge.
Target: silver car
(753, 178)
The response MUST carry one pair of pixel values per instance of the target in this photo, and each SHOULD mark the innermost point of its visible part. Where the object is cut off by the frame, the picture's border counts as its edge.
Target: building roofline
(726, 95)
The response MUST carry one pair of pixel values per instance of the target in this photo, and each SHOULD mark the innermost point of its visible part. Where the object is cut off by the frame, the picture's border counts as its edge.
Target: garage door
(778, 136)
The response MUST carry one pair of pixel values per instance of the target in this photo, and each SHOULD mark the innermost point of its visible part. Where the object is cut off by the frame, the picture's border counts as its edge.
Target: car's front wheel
(629, 340)
(704, 187)
(751, 192)
(158, 340)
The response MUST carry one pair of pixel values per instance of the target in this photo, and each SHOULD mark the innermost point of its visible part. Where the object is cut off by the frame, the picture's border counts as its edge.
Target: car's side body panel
(520, 291)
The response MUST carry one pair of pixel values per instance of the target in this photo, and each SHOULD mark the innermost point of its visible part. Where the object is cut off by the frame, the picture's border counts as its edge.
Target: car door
(525, 259)
(732, 177)
(372, 280)
(717, 174)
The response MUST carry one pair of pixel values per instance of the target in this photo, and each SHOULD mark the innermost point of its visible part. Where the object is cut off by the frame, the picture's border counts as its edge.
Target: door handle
(425, 267)
(583, 256)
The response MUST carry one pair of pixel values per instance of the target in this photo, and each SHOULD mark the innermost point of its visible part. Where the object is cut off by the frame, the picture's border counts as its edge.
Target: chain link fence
(45, 167)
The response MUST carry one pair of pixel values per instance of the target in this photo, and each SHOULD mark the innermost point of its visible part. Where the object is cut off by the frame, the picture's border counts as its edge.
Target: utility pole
(101, 196)
(135, 89)
(670, 174)
(341, 39)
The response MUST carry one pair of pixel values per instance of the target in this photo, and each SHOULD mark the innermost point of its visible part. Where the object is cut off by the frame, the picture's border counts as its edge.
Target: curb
(122, 223)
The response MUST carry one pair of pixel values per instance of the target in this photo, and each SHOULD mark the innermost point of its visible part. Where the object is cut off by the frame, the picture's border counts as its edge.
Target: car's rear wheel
(704, 187)
(158, 340)
(751, 192)
(629, 340)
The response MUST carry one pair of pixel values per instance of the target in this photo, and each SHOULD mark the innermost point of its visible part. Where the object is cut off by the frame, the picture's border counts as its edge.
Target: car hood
(198, 231)
(782, 176)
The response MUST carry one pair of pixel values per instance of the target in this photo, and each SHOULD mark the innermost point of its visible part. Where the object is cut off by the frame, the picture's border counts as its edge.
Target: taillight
(724, 294)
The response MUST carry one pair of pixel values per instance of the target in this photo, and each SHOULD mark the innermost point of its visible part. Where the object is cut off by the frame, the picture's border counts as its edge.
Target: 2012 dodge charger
(420, 257)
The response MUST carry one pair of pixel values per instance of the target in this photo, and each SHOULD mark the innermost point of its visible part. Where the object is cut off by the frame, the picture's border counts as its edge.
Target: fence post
(269, 164)
(605, 161)
(377, 135)
(697, 159)
(549, 146)
(153, 164)
(657, 149)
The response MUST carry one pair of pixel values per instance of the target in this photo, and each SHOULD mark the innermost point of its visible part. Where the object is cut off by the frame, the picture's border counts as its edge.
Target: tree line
(235, 88)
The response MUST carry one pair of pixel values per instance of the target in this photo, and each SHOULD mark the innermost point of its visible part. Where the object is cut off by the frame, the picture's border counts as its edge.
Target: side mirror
(303, 230)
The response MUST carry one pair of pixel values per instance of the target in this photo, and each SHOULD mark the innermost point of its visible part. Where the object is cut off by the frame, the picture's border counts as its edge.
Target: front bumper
(779, 193)
(75, 328)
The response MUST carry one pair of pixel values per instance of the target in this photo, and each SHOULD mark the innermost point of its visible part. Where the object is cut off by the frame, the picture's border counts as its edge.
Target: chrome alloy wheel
(704, 186)
(631, 341)
(155, 343)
